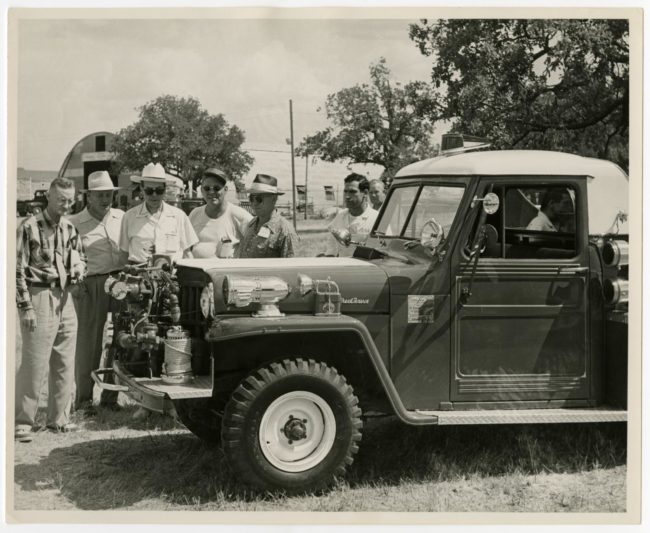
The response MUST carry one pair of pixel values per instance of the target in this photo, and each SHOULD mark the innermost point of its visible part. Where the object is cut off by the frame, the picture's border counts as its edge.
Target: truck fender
(227, 328)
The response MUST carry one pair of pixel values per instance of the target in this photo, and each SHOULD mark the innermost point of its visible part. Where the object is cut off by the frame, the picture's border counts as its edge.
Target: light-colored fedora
(264, 184)
(100, 180)
(151, 172)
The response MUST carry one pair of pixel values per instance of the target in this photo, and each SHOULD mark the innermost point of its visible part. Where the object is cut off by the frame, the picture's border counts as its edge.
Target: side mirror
(490, 203)
(431, 235)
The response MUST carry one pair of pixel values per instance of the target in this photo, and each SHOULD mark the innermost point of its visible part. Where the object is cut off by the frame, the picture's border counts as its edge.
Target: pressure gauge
(119, 290)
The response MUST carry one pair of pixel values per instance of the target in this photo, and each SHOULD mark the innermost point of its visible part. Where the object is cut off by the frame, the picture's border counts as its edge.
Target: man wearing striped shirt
(49, 259)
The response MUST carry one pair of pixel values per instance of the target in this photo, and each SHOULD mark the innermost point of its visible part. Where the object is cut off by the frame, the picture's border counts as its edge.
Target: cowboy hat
(100, 180)
(264, 184)
(151, 172)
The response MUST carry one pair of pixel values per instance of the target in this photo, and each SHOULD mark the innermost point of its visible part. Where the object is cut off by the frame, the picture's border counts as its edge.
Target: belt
(51, 284)
(112, 273)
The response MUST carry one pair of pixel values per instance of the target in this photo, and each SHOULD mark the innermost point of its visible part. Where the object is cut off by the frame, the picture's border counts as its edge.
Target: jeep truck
(491, 290)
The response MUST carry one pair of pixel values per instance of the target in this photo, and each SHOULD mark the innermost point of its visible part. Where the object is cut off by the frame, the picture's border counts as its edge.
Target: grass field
(116, 463)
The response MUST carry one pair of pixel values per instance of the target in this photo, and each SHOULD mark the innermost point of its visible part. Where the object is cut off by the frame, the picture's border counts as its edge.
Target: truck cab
(492, 290)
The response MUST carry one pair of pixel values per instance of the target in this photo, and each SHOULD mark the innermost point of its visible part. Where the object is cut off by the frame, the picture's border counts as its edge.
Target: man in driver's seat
(556, 211)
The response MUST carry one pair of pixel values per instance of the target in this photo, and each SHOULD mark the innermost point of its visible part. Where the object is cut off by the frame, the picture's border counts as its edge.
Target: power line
(273, 151)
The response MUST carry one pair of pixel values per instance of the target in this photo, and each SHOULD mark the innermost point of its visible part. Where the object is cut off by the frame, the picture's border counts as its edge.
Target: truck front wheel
(292, 426)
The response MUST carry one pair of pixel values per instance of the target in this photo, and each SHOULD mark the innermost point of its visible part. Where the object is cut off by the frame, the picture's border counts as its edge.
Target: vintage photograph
(323, 260)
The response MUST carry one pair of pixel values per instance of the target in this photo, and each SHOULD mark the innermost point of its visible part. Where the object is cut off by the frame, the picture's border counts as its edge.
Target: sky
(76, 77)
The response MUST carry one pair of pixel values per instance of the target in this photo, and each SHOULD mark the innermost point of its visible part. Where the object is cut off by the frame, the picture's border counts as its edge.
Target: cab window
(532, 222)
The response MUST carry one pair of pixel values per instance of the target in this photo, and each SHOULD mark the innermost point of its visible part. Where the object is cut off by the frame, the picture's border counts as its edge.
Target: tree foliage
(384, 122)
(183, 137)
(544, 84)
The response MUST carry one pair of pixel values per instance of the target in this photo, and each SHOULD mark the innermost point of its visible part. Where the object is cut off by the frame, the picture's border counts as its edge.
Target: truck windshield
(407, 211)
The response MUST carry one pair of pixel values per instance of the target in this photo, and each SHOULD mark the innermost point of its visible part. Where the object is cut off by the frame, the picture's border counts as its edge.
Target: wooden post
(306, 179)
(293, 167)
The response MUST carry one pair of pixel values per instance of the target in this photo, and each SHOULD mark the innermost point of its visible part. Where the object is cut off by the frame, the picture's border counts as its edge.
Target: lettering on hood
(356, 300)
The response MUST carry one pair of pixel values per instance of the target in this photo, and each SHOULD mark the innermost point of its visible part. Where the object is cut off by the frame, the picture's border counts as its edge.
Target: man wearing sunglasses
(218, 224)
(99, 226)
(268, 234)
(155, 227)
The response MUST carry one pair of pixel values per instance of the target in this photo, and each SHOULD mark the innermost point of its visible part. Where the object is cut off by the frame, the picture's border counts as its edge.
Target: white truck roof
(607, 189)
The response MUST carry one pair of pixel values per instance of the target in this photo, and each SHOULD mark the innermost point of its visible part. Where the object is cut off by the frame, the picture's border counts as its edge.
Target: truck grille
(190, 306)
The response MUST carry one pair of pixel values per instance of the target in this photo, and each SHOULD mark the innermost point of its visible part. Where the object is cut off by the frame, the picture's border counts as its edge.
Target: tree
(383, 123)
(183, 137)
(545, 84)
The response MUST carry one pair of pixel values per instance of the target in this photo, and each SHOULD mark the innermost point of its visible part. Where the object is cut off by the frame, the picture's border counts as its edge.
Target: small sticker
(421, 308)
(264, 232)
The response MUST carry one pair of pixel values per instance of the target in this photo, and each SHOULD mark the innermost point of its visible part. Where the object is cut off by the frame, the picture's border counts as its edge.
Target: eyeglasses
(151, 190)
(210, 188)
(256, 198)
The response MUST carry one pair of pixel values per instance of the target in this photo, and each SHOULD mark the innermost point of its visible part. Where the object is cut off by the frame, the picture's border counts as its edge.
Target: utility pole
(306, 180)
(293, 167)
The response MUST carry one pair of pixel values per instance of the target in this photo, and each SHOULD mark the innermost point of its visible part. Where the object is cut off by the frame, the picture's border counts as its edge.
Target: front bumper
(152, 393)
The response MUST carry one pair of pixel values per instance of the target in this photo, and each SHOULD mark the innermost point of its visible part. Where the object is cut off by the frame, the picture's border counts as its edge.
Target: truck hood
(363, 285)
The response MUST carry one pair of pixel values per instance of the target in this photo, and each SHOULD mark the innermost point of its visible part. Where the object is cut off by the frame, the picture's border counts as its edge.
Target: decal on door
(421, 308)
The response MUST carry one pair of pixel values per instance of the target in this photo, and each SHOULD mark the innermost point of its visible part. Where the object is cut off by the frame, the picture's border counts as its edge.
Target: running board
(523, 416)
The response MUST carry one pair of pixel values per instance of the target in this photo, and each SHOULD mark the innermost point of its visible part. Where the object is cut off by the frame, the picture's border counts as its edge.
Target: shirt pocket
(41, 256)
(168, 239)
(140, 246)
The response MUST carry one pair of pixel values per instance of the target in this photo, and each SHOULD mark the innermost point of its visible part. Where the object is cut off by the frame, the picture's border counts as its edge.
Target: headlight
(267, 291)
(616, 291)
(206, 301)
(615, 253)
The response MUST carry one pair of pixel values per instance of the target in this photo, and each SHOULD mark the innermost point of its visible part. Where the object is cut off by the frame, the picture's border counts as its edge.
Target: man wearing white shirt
(99, 227)
(358, 217)
(218, 224)
(556, 206)
(155, 227)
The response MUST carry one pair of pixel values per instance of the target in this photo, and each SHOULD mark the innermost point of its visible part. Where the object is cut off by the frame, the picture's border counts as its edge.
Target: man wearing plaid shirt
(49, 258)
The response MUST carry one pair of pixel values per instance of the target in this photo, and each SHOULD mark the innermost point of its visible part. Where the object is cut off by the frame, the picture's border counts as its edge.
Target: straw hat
(151, 172)
(100, 181)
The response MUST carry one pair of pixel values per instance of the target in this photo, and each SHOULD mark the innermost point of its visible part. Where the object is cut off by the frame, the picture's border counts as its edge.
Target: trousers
(93, 305)
(50, 348)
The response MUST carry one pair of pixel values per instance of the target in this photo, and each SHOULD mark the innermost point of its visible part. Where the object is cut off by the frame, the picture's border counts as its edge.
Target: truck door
(522, 333)
(420, 290)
